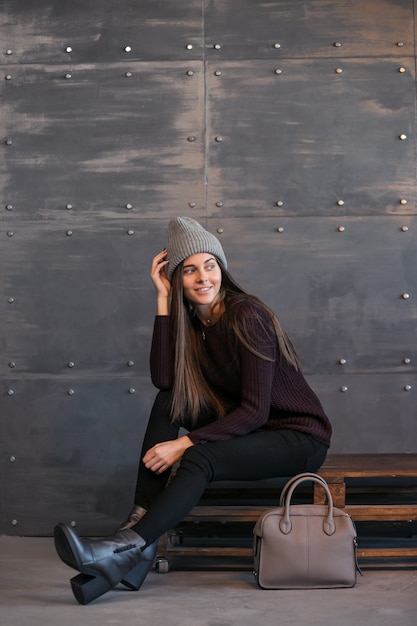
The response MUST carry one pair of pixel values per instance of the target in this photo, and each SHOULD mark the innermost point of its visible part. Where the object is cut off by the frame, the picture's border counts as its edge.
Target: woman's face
(201, 279)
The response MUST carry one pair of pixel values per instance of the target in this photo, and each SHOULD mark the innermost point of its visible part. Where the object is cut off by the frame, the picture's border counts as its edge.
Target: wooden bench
(369, 476)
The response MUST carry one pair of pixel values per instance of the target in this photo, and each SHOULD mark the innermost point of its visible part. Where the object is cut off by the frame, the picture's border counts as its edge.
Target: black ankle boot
(134, 579)
(102, 563)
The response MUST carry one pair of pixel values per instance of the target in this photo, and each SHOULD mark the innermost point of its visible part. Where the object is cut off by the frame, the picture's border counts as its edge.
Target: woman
(227, 373)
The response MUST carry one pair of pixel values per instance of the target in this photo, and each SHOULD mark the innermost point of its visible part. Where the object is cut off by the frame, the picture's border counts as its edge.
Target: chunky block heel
(88, 588)
(103, 563)
(134, 579)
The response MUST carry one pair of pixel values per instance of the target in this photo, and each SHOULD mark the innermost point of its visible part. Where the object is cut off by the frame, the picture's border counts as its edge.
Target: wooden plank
(251, 514)
(376, 512)
(373, 465)
(371, 553)
(362, 553)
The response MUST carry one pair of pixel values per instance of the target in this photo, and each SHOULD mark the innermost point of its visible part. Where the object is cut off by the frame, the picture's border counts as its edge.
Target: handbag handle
(308, 476)
(329, 526)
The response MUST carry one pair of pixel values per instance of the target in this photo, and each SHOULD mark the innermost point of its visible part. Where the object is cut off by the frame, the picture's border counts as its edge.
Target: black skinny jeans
(255, 456)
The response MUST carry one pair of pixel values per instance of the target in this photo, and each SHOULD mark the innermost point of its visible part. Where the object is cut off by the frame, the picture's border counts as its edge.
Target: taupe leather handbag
(304, 546)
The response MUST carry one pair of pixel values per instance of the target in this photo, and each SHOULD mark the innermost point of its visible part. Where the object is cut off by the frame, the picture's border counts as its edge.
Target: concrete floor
(34, 591)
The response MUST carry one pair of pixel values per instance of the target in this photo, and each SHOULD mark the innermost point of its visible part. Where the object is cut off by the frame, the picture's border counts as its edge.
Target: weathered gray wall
(278, 125)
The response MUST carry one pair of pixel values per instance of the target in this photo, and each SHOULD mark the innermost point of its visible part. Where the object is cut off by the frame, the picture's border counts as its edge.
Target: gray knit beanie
(187, 237)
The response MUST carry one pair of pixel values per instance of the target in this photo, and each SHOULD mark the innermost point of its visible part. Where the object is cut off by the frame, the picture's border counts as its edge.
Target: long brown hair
(191, 393)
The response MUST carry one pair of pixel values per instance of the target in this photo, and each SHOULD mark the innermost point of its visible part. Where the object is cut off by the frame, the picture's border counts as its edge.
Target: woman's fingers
(158, 275)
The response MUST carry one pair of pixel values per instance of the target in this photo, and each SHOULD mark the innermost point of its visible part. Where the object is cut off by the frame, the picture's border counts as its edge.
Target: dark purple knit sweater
(263, 395)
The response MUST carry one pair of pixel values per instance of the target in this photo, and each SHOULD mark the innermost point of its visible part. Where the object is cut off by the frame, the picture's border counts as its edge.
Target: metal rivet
(128, 49)
(189, 46)
(9, 52)
(14, 522)
(340, 202)
(190, 73)
(69, 233)
(10, 233)
(338, 70)
(343, 389)
(217, 46)
(219, 204)
(280, 203)
(68, 49)
(130, 232)
(407, 361)
(128, 74)
(12, 459)
(337, 44)
(403, 201)
(68, 207)
(191, 138)
(191, 205)
(68, 75)
(9, 207)
(8, 77)
(8, 142)
(10, 392)
(10, 300)
(404, 229)
(401, 70)
(129, 206)
(278, 71)
(403, 136)
(405, 296)
(277, 46)
(12, 364)
(220, 231)
(132, 390)
(400, 44)
(407, 387)
(218, 139)
(70, 364)
(130, 363)
(73, 523)
(341, 229)
(342, 361)
(70, 392)
(280, 229)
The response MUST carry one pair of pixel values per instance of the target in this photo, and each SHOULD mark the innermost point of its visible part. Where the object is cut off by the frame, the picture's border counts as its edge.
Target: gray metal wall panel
(78, 293)
(309, 138)
(339, 293)
(100, 140)
(370, 412)
(40, 31)
(251, 29)
(70, 457)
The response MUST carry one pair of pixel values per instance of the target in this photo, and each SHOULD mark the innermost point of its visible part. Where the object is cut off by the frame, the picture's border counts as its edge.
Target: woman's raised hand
(158, 275)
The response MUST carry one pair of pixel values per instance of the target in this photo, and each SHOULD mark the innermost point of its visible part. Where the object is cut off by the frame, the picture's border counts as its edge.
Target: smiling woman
(201, 279)
(226, 372)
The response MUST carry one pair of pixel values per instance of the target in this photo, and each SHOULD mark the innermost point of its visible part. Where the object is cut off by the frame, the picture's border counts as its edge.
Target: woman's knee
(197, 458)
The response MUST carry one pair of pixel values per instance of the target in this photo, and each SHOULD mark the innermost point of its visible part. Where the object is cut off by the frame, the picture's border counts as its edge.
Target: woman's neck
(209, 315)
